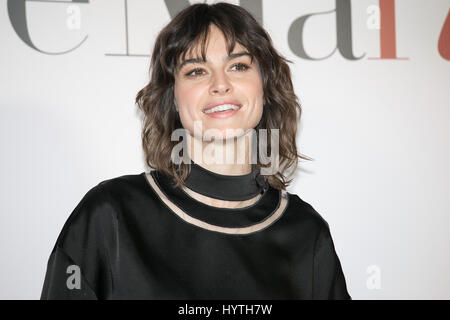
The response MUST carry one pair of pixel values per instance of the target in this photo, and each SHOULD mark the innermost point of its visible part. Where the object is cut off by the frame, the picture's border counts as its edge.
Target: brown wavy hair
(281, 108)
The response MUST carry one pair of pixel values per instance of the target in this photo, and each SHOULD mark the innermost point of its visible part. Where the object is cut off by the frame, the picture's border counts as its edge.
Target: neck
(226, 157)
(236, 185)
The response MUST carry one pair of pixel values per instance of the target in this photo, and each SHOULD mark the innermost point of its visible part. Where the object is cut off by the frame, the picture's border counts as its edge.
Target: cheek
(188, 96)
(254, 91)
(253, 85)
(257, 94)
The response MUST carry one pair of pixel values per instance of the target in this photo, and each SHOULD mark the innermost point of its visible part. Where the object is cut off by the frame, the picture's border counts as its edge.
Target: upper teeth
(222, 107)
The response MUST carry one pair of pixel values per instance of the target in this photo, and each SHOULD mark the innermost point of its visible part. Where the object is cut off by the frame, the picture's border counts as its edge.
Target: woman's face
(220, 80)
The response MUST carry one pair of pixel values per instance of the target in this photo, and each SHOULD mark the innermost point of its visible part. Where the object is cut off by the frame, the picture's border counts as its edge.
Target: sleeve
(79, 266)
(329, 281)
(64, 281)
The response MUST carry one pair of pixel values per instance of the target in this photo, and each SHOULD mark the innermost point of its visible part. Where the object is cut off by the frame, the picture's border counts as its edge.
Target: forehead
(215, 43)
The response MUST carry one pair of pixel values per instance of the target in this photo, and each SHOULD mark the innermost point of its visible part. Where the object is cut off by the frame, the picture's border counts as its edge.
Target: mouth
(222, 111)
(222, 107)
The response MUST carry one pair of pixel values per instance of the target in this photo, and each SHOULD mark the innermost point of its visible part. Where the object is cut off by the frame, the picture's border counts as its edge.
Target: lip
(222, 115)
(218, 103)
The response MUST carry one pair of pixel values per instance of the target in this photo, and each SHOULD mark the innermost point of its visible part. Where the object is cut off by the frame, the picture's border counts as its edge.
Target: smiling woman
(198, 229)
(223, 86)
(218, 56)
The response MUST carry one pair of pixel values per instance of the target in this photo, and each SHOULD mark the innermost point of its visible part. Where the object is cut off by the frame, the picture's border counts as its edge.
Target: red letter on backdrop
(388, 41)
(444, 39)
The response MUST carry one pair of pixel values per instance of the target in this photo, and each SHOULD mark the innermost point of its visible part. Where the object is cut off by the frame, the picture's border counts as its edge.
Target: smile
(222, 108)
(222, 111)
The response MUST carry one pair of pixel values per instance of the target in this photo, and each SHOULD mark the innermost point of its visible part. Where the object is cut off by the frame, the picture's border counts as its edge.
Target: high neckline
(243, 217)
(225, 187)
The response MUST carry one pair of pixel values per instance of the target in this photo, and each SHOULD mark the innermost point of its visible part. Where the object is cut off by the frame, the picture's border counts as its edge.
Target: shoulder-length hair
(281, 108)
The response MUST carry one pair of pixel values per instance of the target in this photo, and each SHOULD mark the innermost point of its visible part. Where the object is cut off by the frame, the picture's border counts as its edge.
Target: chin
(227, 133)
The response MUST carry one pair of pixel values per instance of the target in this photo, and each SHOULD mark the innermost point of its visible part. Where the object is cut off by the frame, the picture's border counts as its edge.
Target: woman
(194, 228)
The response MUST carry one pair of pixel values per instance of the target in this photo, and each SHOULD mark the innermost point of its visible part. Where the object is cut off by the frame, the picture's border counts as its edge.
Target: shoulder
(129, 182)
(305, 214)
(313, 225)
(98, 209)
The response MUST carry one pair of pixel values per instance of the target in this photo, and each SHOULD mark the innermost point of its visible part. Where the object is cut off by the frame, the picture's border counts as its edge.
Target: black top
(225, 187)
(134, 237)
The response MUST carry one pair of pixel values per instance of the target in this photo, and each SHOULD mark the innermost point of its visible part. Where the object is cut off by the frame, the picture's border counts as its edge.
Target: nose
(220, 84)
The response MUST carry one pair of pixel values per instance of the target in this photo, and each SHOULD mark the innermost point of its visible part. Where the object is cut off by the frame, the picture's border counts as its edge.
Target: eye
(242, 66)
(189, 74)
(195, 72)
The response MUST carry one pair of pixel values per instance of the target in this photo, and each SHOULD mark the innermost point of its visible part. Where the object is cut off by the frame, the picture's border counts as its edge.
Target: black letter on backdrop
(18, 17)
(343, 29)
(253, 6)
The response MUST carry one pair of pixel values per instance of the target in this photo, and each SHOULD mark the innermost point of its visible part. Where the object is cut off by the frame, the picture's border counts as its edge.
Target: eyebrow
(228, 58)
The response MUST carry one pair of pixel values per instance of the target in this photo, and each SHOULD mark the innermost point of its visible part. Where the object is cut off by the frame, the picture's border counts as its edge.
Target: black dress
(138, 237)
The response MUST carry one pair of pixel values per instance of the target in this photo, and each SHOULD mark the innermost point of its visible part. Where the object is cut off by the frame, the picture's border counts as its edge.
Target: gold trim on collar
(202, 224)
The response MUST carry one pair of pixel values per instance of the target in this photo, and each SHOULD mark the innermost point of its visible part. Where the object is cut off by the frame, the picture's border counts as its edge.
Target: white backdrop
(377, 129)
